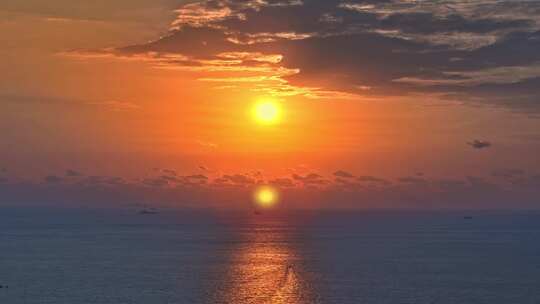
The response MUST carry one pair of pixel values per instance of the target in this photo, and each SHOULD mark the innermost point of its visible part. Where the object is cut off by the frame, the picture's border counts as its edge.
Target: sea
(114, 256)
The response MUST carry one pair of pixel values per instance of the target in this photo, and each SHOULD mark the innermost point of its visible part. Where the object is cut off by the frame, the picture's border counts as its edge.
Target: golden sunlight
(266, 196)
(266, 111)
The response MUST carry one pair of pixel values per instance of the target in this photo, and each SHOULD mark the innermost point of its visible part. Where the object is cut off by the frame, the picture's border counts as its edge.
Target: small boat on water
(467, 217)
(148, 211)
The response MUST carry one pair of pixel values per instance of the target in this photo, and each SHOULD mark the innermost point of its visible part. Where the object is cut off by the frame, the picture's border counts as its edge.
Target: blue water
(106, 256)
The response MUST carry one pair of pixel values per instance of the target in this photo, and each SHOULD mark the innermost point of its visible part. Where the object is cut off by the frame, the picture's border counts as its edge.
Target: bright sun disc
(266, 196)
(267, 112)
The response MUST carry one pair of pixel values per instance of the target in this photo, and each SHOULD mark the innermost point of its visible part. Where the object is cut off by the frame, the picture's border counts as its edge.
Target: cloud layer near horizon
(164, 187)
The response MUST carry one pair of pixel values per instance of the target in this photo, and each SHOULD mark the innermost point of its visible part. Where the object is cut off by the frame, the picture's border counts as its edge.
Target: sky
(384, 104)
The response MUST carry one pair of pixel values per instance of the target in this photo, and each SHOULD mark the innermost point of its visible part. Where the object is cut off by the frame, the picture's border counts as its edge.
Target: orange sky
(104, 94)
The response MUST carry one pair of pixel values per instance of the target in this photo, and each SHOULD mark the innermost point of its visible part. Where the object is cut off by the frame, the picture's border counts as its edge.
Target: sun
(266, 196)
(266, 112)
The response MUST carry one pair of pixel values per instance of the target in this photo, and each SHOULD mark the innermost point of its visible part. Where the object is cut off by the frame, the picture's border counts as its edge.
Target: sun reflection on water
(266, 269)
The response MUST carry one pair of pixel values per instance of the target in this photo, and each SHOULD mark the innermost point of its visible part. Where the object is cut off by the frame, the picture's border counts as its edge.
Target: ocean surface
(52, 255)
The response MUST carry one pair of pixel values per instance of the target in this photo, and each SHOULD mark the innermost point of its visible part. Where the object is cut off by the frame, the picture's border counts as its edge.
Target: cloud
(96, 180)
(198, 14)
(412, 180)
(197, 176)
(337, 49)
(479, 144)
(344, 174)
(234, 190)
(372, 179)
(115, 105)
(53, 179)
(171, 178)
(156, 182)
(310, 176)
(195, 180)
(455, 23)
(282, 182)
(311, 179)
(497, 75)
(73, 173)
(235, 179)
(204, 169)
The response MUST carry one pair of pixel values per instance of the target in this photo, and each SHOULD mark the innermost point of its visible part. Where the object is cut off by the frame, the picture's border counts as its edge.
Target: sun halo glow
(266, 196)
(266, 112)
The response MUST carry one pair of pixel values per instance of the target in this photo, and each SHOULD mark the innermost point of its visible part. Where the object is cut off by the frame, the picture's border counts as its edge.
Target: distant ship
(148, 211)
(468, 217)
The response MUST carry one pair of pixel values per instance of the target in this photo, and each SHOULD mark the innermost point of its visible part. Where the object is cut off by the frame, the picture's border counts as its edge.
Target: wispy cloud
(325, 49)
(115, 105)
(479, 144)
